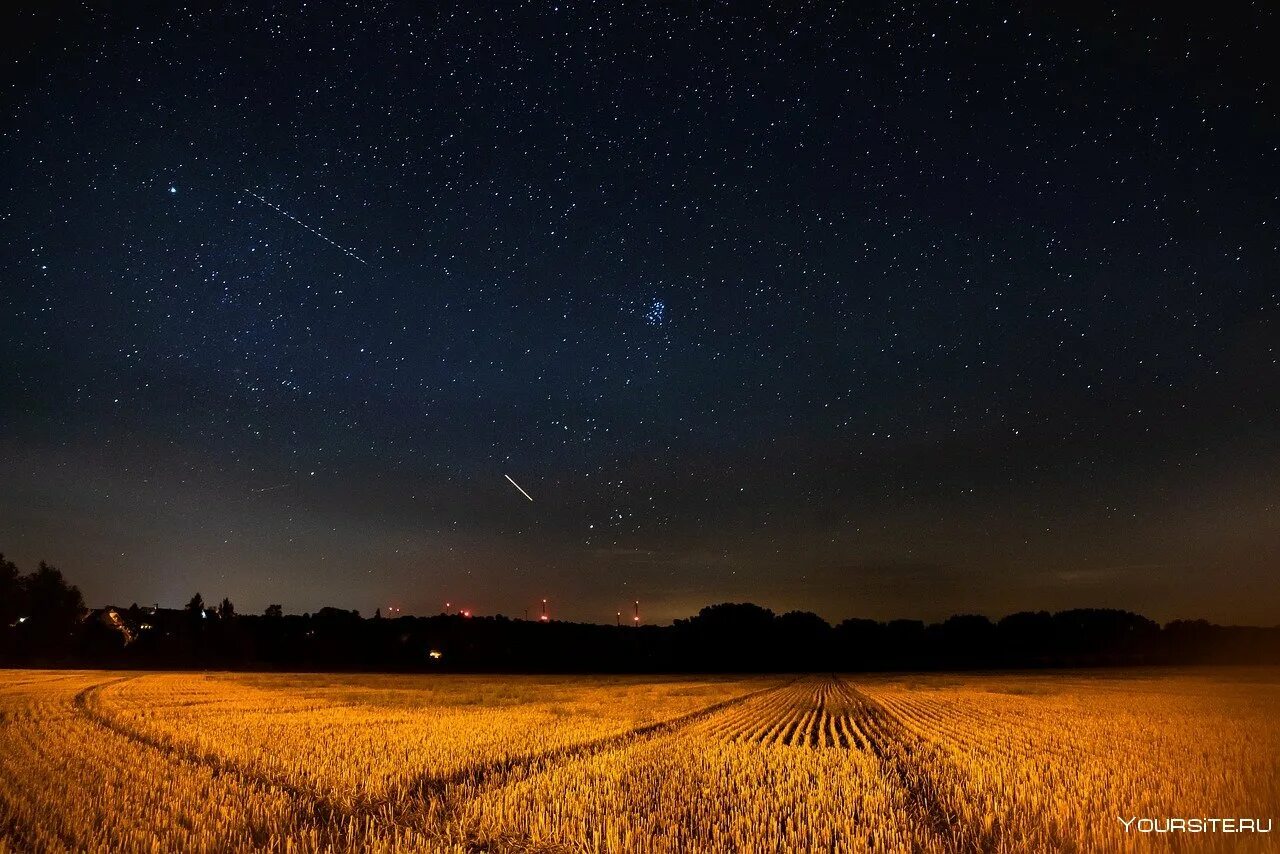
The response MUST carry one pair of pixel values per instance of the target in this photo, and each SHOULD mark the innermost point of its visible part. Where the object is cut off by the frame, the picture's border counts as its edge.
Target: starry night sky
(868, 310)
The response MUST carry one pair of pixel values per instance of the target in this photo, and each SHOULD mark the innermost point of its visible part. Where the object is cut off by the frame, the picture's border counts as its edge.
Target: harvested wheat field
(101, 761)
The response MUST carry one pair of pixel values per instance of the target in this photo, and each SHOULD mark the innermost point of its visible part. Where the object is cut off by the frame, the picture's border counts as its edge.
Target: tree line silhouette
(44, 622)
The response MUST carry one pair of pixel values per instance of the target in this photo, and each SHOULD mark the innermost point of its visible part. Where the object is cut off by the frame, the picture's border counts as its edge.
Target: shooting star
(285, 213)
(517, 486)
(270, 488)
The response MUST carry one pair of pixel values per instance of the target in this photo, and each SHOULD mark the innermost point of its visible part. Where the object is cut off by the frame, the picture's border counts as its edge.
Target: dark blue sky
(859, 309)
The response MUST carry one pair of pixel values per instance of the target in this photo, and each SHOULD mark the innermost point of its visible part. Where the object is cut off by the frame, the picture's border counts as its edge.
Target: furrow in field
(815, 714)
(919, 768)
(723, 783)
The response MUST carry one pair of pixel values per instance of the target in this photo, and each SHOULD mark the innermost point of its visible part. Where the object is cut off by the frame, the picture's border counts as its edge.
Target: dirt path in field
(73, 710)
(312, 806)
(454, 790)
(919, 767)
(435, 799)
(818, 712)
(905, 758)
(477, 779)
(802, 713)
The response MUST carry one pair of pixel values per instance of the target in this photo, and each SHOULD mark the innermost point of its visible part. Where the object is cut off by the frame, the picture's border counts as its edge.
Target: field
(223, 762)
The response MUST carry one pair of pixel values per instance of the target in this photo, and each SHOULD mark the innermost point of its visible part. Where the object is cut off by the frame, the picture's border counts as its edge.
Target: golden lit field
(223, 762)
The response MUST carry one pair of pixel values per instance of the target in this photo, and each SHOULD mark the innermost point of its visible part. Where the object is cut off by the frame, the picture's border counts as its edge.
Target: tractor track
(313, 806)
(483, 777)
(477, 780)
(433, 802)
(900, 754)
(831, 714)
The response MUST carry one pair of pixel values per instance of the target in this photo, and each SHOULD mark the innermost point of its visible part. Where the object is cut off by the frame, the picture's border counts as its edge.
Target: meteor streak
(517, 486)
(285, 213)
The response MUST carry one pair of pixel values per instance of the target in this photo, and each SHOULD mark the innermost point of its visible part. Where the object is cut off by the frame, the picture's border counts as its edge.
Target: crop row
(1051, 763)
(158, 762)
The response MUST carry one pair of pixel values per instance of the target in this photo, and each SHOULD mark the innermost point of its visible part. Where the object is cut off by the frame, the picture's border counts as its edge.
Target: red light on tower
(636, 618)
(545, 617)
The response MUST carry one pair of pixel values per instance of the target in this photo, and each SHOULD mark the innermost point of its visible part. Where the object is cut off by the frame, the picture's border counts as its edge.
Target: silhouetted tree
(964, 640)
(337, 614)
(10, 593)
(904, 644)
(1026, 637)
(41, 622)
(53, 610)
(803, 640)
(196, 628)
(10, 605)
(731, 636)
(860, 643)
(1102, 635)
(48, 596)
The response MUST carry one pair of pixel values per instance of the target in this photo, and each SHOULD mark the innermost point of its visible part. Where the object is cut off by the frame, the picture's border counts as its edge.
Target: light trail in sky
(285, 213)
(517, 486)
